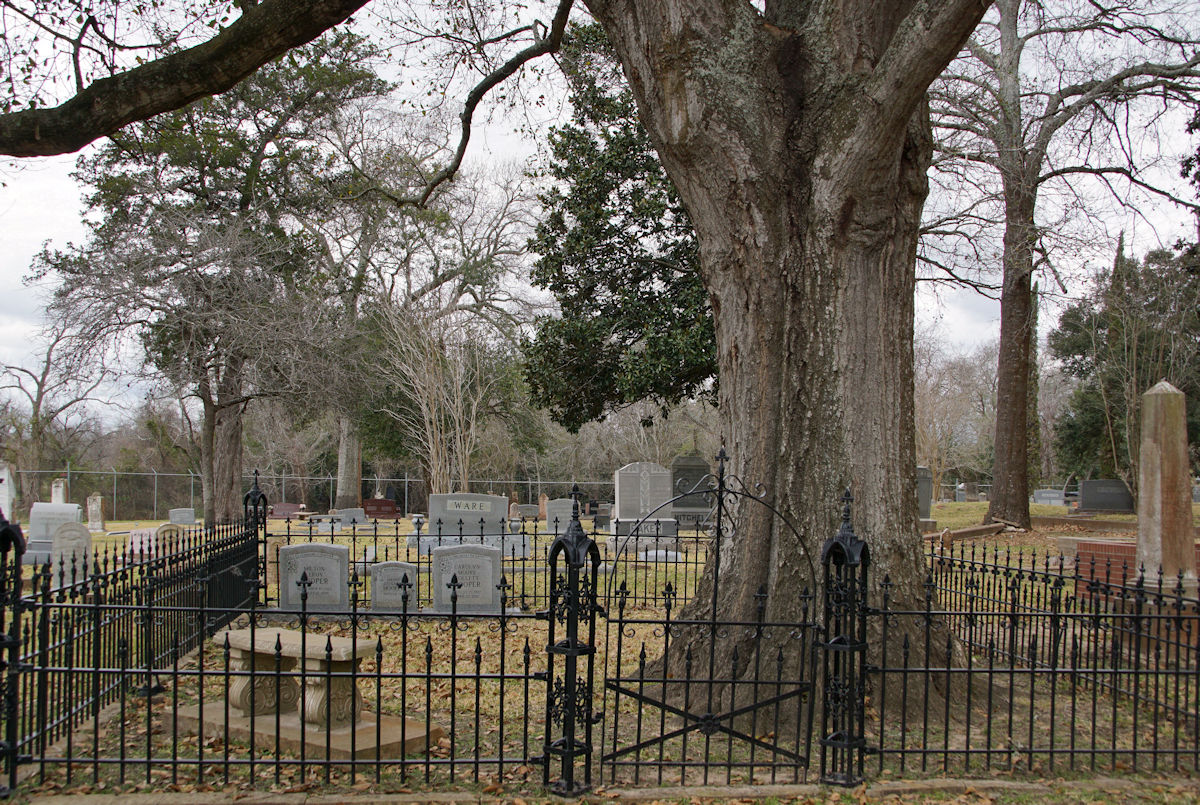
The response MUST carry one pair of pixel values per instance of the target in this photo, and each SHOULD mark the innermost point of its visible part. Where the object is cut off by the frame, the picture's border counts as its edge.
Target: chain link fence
(150, 495)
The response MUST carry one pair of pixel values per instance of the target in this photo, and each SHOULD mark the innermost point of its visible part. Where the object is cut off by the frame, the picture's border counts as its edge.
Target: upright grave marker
(95, 512)
(182, 516)
(1166, 538)
(386, 591)
(559, 511)
(327, 571)
(1105, 495)
(471, 519)
(58, 491)
(44, 520)
(8, 492)
(689, 473)
(477, 569)
(642, 490)
(71, 546)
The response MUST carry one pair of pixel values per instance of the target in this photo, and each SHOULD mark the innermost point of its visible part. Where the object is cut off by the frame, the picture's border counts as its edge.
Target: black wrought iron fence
(177, 664)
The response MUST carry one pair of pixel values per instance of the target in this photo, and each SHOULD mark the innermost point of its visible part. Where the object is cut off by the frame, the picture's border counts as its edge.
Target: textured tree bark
(227, 446)
(1009, 500)
(799, 145)
(349, 476)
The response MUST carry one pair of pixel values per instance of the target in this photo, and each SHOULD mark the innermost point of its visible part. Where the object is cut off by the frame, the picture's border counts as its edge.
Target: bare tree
(1049, 94)
(45, 413)
(447, 378)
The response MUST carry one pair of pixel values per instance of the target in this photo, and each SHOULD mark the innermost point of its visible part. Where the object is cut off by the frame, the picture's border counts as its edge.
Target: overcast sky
(40, 202)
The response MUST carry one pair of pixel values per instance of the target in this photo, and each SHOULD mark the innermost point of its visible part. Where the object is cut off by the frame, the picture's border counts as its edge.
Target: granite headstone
(1105, 494)
(44, 520)
(386, 593)
(328, 571)
(478, 570)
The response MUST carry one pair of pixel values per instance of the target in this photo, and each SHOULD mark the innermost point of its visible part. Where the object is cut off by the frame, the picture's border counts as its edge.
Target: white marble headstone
(71, 544)
(8, 491)
(328, 573)
(58, 491)
(44, 520)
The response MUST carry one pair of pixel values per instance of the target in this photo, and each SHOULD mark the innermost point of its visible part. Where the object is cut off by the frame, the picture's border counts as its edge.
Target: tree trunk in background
(349, 474)
(807, 218)
(1009, 500)
(227, 446)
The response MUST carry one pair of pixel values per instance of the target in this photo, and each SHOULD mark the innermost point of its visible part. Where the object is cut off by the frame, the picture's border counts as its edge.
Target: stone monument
(478, 570)
(95, 512)
(327, 569)
(1166, 538)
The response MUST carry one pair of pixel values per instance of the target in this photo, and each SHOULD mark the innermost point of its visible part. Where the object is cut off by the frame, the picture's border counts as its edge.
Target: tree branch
(262, 32)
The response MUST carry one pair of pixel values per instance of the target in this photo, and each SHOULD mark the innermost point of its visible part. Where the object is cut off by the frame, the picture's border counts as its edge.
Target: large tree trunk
(349, 475)
(1009, 500)
(807, 218)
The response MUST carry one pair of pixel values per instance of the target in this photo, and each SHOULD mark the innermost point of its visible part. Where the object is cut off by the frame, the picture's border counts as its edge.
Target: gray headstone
(1049, 497)
(1105, 495)
(641, 488)
(602, 515)
(924, 492)
(356, 517)
(478, 514)
(328, 570)
(44, 520)
(686, 473)
(95, 512)
(72, 542)
(559, 509)
(478, 569)
(528, 511)
(184, 516)
(385, 586)
(58, 491)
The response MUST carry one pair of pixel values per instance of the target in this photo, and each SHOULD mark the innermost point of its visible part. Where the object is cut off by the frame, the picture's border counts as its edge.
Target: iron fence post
(845, 559)
(12, 547)
(569, 704)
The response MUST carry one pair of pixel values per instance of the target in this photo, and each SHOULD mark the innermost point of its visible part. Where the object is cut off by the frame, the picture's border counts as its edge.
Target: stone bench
(333, 699)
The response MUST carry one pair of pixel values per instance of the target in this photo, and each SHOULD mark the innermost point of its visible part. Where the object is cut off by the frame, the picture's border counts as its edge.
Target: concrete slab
(397, 737)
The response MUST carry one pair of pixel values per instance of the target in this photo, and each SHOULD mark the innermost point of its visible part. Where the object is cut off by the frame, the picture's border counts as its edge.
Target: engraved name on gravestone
(1049, 497)
(1105, 494)
(44, 520)
(182, 516)
(386, 593)
(328, 570)
(95, 512)
(476, 511)
(71, 546)
(478, 569)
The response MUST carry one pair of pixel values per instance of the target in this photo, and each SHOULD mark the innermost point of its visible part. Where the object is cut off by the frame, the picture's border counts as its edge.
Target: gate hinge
(541, 675)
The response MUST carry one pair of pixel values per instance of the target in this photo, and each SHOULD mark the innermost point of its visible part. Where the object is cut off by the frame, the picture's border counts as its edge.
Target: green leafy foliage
(618, 252)
(1141, 325)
